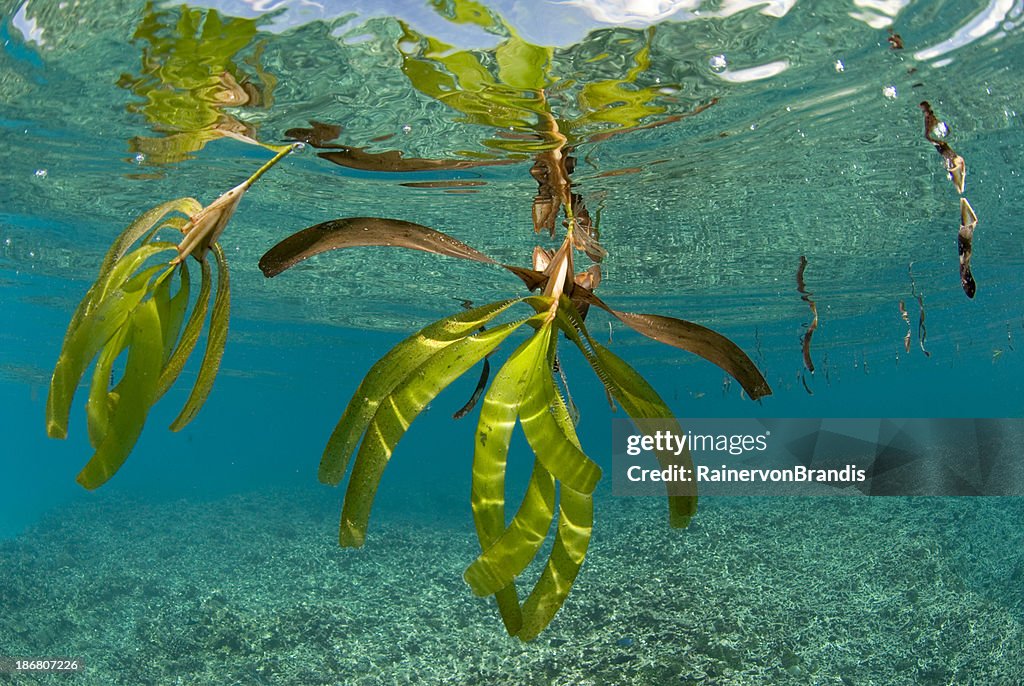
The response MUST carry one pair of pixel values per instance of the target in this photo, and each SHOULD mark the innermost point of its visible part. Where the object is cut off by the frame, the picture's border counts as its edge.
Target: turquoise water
(212, 557)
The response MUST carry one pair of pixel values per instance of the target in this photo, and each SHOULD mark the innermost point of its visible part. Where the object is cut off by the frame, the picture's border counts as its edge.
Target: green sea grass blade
(397, 411)
(640, 401)
(572, 538)
(563, 459)
(515, 548)
(173, 308)
(125, 240)
(190, 335)
(493, 437)
(507, 600)
(137, 394)
(115, 277)
(387, 373)
(146, 221)
(507, 552)
(215, 342)
(575, 524)
(84, 341)
(101, 402)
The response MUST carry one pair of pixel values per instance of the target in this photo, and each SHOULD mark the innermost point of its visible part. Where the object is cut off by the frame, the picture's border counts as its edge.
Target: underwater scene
(348, 313)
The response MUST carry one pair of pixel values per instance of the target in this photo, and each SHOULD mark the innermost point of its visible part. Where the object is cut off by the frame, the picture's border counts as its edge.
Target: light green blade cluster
(133, 308)
(525, 388)
(392, 394)
(640, 401)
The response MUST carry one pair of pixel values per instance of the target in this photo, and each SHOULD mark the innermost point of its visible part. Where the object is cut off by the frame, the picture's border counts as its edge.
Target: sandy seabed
(252, 589)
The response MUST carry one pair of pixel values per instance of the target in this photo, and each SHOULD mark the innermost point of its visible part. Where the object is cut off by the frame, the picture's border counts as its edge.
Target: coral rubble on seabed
(251, 589)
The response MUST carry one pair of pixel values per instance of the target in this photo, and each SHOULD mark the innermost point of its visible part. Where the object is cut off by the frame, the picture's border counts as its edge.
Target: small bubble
(718, 63)
(407, 129)
(32, 253)
(889, 92)
(754, 126)
(41, 173)
(940, 130)
(140, 158)
(840, 67)
(298, 146)
(7, 242)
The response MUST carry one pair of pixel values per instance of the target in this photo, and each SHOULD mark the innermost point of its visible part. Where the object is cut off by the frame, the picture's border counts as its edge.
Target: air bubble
(889, 92)
(406, 129)
(140, 158)
(940, 130)
(718, 64)
(41, 173)
(840, 67)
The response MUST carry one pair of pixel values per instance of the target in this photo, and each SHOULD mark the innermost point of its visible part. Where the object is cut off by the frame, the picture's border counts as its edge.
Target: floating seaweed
(801, 288)
(964, 239)
(922, 332)
(906, 318)
(955, 165)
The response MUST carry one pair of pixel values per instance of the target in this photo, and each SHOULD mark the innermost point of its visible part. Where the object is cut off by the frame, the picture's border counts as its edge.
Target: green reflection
(190, 72)
(511, 87)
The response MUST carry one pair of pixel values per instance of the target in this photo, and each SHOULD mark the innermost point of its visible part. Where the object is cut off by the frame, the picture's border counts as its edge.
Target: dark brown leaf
(955, 164)
(801, 287)
(691, 337)
(357, 232)
(317, 136)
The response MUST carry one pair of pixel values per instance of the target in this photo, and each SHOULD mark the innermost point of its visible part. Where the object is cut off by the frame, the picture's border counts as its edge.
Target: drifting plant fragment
(801, 288)
(955, 165)
(922, 332)
(133, 307)
(957, 173)
(906, 318)
(964, 239)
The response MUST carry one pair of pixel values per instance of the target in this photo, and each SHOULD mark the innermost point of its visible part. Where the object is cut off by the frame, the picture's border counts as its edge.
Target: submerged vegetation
(135, 307)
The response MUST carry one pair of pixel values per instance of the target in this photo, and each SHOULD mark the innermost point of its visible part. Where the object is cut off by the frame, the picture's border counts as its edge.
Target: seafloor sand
(252, 590)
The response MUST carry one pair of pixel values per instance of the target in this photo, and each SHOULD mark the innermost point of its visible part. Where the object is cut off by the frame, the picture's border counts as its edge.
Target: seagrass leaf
(144, 223)
(548, 439)
(572, 538)
(101, 402)
(640, 401)
(137, 393)
(693, 338)
(575, 524)
(387, 373)
(394, 415)
(190, 335)
(357, 232)
(173, 308)
(84, 341)
(215, 341)
(507, 552)
(510, 553)
(114, 278)
(138, 228)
